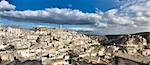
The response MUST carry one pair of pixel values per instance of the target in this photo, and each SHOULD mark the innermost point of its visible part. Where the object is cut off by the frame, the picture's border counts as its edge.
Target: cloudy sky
(97, 16)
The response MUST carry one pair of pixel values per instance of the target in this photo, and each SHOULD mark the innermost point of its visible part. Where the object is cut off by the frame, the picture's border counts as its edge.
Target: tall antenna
(60, 25)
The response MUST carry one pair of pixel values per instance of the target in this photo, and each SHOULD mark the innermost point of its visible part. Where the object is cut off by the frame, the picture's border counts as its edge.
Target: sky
(82, 5)
(104, 17)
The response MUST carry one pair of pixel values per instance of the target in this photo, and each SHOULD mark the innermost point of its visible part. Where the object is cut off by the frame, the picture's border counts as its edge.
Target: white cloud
(55, 15)
(112, 17)
(4, 5)
(140, 12)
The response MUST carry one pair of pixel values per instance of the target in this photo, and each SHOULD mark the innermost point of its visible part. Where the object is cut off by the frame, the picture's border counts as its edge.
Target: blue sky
(79, 15)
(82, 5)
